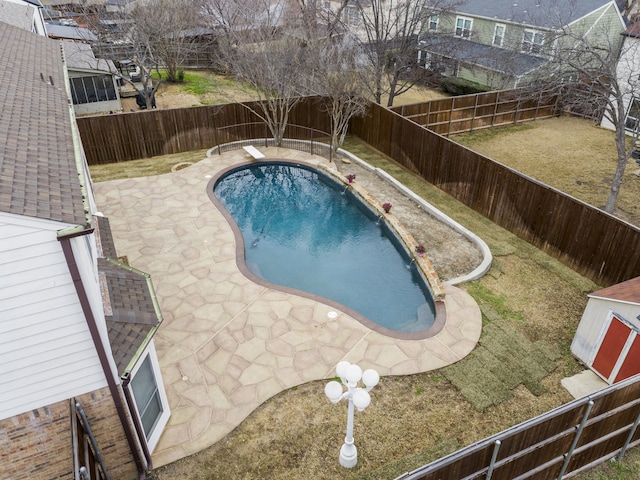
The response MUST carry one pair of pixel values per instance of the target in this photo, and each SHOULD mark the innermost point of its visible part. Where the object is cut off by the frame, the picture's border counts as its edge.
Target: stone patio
(227, 344)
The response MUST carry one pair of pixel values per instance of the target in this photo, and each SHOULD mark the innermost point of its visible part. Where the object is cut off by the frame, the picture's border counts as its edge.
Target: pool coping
(438, 303)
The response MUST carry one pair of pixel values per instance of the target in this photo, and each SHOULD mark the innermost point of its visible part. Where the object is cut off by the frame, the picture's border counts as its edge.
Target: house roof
(494, 58)
(38, 173)
(628, 291)
(540, 13)
(16, 14)
(79, 56)
(130, 311)
(71, 33)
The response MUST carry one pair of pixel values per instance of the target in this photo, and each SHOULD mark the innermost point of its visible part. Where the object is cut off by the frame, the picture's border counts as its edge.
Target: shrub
(460, 86)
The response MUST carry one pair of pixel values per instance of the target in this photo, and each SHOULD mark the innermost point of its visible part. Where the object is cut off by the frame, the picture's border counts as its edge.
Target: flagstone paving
(227, 344)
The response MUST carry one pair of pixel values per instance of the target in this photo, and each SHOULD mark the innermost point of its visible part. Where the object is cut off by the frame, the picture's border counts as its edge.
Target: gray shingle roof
(80, 56)
(497, 59)
(129, 311)
(18, 15)
(38, 174)
(541, 13)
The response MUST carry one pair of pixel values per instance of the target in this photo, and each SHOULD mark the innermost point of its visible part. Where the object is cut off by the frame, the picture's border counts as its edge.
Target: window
(498, 35)
(433, 22)
(145, 391)
(532, 41)
(149, 396)
(351, 15)
(463, 27)
(631, 123)
(97, 88)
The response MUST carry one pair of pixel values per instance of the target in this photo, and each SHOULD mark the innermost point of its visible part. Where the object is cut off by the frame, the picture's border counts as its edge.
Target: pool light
(350, 374)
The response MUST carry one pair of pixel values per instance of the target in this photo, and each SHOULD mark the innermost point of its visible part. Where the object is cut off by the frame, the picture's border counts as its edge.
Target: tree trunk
(623, 159)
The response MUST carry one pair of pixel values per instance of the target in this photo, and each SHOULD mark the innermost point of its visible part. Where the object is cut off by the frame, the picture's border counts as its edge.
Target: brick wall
(105, 424)
(38, 444)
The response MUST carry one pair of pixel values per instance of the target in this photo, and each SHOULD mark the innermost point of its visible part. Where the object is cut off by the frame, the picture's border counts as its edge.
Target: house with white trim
(80, 386)
(504, 43)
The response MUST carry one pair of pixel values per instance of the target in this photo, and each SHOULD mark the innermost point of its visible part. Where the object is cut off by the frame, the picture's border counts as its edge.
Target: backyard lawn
(531, 306)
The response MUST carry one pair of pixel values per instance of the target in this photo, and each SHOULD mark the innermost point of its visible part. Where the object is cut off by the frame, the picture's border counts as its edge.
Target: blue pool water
(305, 231)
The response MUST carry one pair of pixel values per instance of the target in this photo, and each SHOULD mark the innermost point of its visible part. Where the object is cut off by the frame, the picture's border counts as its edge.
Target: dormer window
(463, 27)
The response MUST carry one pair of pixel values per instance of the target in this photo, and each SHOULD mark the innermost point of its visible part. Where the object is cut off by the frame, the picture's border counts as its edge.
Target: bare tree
(263, 56)
(597, 77)
(168, 31)
(391, 31)
(342, 81)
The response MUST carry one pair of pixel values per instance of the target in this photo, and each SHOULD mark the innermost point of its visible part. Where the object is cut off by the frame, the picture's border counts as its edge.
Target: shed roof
(541, 13)
(628, 291)
(38, 169)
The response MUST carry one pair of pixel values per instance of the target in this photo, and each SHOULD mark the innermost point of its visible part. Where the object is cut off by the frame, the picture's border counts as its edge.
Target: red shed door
(611, 347)
(631, 364)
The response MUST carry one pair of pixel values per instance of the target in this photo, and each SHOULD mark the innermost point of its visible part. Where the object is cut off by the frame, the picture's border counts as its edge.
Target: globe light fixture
(357, 397)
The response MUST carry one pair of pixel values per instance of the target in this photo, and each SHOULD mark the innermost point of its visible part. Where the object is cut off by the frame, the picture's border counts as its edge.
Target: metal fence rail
(558, 444)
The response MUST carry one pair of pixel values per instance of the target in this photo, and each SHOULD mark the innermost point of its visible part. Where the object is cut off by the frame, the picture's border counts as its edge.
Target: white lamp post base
(348, 455)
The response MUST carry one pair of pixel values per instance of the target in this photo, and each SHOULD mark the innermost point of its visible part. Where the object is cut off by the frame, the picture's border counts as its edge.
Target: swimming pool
(304, 231)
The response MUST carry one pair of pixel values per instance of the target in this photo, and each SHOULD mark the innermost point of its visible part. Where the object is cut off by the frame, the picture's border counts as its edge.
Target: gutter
(65, 241)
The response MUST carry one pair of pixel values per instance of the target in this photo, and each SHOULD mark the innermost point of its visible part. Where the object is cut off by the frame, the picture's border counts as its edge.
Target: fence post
(495, 108)
(496, 449)
(631, 434)
(475, 111)
(569, 454)
(453, 102)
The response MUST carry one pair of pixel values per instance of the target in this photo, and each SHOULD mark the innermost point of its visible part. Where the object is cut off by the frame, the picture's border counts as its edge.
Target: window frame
(635, 102)
(495, 34)
(464, 31)
(435, 21)
(532, 47)
(351, 15)
(161, 420)
(88, 89)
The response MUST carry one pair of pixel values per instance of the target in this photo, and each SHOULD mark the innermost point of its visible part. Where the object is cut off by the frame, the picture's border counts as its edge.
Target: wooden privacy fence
(558, 444)
(595, 244)
(129, 136)
(448, 116)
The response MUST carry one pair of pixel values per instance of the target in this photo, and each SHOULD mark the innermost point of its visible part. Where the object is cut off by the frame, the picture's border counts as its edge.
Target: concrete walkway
(227, 344)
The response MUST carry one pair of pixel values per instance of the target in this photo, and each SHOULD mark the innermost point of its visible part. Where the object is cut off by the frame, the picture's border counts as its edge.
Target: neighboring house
(608, 337)
(77, 361)
(25, 14)
(628, 78)
(503, 44)
(93, 81)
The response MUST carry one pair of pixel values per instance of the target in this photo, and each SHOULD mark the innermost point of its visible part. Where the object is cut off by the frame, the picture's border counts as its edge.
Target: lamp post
(351, 374)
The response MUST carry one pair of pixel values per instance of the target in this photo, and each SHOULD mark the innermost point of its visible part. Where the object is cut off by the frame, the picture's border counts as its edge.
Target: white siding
(46, 351)
(628, 73)
(593, 319)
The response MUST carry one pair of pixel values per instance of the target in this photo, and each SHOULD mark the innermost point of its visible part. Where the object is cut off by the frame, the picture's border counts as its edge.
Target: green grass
(201, 82)
(143, 167)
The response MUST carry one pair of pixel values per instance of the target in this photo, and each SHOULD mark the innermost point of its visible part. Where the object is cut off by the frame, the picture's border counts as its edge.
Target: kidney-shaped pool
(304, 231)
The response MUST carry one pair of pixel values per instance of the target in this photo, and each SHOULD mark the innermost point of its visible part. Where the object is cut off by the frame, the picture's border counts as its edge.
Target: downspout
(65, 242)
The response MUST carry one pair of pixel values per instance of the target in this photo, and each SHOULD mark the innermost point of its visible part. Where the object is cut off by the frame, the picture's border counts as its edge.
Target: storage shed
(607, 339)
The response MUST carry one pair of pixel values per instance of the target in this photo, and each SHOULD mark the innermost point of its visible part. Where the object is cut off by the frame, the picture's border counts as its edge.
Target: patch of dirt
(451, 253)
